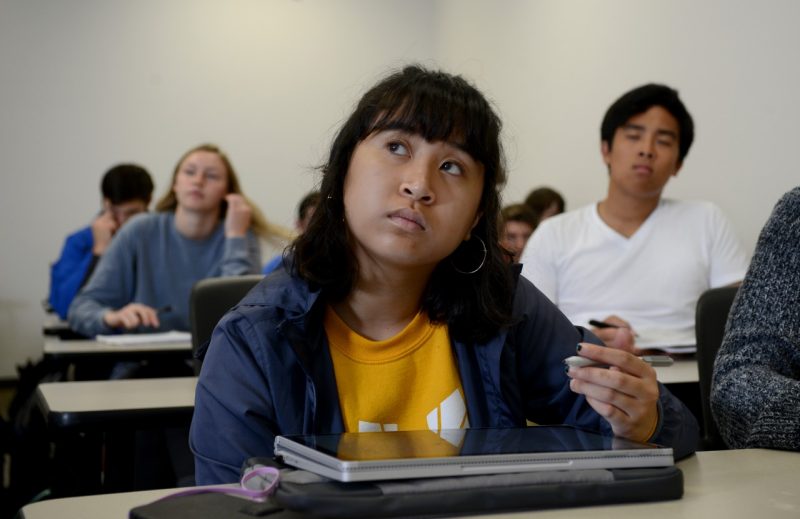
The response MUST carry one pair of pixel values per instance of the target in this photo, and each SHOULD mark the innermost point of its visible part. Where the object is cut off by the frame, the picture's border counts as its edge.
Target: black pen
(603, 324)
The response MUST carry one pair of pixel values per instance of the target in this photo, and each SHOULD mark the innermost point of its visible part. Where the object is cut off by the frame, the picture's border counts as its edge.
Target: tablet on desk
(454, 452)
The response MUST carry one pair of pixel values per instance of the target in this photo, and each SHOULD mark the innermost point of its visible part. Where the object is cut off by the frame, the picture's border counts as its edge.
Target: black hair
(641, 99)
(540, 199)
(437, 106)
(127, 182)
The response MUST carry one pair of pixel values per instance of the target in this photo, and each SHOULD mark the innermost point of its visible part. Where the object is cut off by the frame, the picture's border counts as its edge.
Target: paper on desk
(145, 338)
(666, 340)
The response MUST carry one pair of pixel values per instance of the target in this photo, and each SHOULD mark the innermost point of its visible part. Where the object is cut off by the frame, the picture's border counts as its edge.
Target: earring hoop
(483, 259)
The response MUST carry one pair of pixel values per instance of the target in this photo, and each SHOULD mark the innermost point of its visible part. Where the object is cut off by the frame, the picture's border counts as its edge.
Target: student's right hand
(103, 229)
(238, 216)
(132, 316)
(621, 337)
(625, 394)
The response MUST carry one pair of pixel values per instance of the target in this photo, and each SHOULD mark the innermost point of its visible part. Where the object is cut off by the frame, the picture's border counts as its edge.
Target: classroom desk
(87, 359)
(55, 347)
(114, 403)
(682, 371)
(97, 426)
(731, 484)
(53, 324)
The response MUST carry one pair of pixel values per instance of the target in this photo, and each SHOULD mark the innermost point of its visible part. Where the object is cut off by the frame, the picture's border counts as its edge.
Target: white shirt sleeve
(728, 259)
(538, 261)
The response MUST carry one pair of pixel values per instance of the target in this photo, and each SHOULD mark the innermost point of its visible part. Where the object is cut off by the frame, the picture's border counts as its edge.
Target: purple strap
(266, 486)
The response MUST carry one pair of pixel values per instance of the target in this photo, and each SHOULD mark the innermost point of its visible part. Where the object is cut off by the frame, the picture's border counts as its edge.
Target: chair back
(211, 298)
(713, 308)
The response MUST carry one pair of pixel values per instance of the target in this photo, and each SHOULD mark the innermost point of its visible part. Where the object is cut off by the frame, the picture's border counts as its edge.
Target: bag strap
(257, 484)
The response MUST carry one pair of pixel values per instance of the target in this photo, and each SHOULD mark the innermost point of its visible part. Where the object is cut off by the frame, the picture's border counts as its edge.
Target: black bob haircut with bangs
(439, 107)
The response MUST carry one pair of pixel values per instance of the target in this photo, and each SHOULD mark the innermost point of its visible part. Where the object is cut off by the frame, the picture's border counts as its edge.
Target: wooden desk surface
(69, 404)
(739, 484)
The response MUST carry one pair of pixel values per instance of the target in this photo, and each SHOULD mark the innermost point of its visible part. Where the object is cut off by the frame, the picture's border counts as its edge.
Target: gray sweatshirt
(755, 393)
(150, 262)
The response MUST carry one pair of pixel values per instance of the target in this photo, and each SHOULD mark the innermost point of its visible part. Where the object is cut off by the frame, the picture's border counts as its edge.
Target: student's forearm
(240, 257)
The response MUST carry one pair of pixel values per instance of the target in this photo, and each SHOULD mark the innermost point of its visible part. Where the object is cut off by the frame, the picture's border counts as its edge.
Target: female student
(204, 227)
(400, 310)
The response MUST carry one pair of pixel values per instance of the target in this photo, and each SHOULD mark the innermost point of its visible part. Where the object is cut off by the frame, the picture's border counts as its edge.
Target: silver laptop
(457, 452)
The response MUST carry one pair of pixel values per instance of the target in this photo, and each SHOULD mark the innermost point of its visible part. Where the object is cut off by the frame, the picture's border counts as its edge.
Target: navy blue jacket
(268, 371)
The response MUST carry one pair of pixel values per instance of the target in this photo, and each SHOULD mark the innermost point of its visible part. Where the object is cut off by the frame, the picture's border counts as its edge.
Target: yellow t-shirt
(407, 382)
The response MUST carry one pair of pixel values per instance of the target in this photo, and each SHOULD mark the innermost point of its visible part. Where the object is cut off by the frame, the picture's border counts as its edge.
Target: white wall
(85, 84)
(88, 83)
(554, 66)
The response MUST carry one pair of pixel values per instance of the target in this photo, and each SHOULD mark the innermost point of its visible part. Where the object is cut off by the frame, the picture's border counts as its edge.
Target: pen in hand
(654, 360)
(602, 324)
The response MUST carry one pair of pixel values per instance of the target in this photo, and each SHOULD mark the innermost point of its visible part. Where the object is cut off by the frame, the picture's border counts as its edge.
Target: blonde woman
(204, 227)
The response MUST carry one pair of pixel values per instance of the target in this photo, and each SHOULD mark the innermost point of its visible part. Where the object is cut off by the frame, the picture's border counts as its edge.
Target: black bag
(303, 494)
(25, 442)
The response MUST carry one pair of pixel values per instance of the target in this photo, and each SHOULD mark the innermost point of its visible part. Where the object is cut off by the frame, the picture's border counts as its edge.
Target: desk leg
(77, 463)
(147, 459)
(119, 456)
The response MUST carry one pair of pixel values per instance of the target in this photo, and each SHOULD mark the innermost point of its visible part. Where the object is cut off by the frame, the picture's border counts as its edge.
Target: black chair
(211, 298)
(713, 308)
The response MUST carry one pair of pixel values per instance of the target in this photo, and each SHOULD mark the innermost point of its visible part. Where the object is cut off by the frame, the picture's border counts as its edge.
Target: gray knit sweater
(755, 393)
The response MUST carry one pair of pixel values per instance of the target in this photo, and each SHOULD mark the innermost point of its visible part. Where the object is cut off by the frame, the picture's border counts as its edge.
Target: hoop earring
(483, 259)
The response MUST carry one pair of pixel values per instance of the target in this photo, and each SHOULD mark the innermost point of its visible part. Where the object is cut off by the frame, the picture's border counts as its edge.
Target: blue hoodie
(268, 372)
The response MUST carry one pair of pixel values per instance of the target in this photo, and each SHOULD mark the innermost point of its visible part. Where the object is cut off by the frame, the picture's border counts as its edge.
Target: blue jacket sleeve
(541, 340)
(234, 417)
(69, 271)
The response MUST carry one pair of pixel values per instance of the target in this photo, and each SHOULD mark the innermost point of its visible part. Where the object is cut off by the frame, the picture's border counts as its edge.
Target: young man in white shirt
(635, 260)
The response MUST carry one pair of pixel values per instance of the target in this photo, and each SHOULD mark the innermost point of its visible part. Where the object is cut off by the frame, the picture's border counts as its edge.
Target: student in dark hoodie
(400, 310)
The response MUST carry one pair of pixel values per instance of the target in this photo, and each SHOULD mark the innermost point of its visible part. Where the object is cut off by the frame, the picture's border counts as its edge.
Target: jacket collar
(300, 311)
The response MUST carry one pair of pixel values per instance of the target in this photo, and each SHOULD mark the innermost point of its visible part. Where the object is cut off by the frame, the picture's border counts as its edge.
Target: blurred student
(518, 222)
(400, 306)
(545, 202)
(127, 190)
(755, 392)
(305, 210)
(637, 260)
(204, 227)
